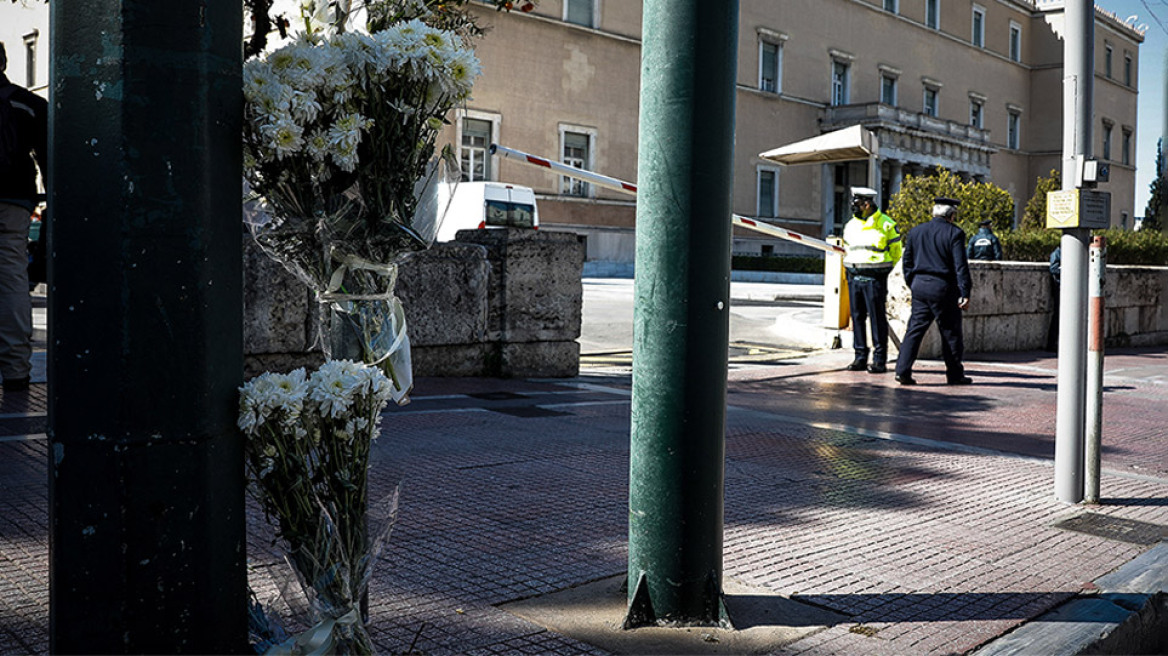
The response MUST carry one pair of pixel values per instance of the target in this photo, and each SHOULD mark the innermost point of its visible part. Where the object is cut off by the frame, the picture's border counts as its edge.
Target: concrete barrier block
(552, 359)
(279, 313)
(536, 294)
(454, 360)
(444, 293)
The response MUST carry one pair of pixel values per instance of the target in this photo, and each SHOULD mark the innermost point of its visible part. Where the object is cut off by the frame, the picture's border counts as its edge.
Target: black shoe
(905, 379)
(15, 384)
(964, 380)
(877, 368)
(857, 365)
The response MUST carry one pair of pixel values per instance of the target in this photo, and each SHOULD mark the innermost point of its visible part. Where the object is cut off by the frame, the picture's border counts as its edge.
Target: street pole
(681, 312)
(146, 477)
(1078, 89)
(1097, 283)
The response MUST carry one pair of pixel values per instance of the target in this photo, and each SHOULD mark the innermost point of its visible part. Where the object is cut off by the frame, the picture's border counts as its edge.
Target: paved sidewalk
(925, 517)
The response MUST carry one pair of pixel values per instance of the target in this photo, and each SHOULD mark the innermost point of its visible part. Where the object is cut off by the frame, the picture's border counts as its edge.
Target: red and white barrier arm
(776, 231)
(570, 171)
(630, 188)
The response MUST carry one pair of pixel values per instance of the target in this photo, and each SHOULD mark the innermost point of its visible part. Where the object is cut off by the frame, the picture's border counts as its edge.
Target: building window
(580, 12)
(1107, 53)
(1127, 69)
(30, 48)
(1107, 141)
(768, 192)
(1125, 147)
(892, 6)
(577, 153)
(840, 72)
(888, 89)
(474, 155)
(933, 14)
(976, 114)
(1013, 130)
(978, 36)
(1015, 42)
(770, 67)
(930, 104)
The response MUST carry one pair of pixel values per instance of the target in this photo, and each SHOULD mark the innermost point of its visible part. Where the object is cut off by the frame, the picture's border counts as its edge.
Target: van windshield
(511, 215)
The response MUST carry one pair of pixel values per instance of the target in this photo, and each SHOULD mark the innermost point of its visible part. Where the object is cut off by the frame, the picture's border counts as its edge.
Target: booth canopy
(848, 144)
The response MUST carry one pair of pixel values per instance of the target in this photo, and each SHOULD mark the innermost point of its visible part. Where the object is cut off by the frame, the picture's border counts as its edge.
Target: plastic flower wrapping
(339, 150)
(307, 452)
(341, 175)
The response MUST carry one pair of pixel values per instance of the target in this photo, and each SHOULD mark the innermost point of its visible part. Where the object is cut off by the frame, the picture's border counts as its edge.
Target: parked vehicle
(481, 205)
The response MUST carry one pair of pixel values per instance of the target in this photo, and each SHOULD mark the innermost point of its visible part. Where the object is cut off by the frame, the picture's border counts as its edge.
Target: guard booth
(851, 144)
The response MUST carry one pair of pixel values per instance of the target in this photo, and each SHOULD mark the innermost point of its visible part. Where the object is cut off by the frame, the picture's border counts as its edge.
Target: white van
(478, 205)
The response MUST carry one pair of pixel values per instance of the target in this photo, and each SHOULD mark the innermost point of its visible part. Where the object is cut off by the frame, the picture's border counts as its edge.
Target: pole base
(641, 612)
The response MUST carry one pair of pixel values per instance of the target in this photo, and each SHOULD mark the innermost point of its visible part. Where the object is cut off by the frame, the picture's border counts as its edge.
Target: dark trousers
(867, 296)
(933, 299)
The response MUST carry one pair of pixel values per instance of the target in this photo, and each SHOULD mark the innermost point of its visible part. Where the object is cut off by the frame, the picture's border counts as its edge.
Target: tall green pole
(681, 315)
(146, 486)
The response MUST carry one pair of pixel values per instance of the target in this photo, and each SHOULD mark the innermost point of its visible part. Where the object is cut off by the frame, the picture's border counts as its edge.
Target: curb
(1129, 615)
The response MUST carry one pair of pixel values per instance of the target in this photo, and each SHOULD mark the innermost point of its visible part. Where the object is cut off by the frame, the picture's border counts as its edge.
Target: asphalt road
(766, 318)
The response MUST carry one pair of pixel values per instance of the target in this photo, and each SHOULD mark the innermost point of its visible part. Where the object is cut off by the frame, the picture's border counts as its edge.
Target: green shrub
(1123, 246)
(1034, 218)
(1029, 245)
(913, 204)
(785, 263)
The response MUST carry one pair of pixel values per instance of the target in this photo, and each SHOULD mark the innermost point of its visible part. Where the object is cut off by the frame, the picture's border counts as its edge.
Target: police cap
(942, 200)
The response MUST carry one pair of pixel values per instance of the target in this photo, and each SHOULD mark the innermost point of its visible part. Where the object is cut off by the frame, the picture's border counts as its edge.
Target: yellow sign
(1078, 208)
(1062, 209)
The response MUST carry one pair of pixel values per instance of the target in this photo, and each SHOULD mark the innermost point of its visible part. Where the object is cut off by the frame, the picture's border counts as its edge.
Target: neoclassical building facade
(972, 86)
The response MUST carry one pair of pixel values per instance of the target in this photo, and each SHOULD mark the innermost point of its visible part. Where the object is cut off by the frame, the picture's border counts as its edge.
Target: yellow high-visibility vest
(872, 243)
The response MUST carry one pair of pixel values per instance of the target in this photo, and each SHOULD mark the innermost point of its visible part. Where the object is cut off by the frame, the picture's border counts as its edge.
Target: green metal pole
(681, 315)
(147, 539)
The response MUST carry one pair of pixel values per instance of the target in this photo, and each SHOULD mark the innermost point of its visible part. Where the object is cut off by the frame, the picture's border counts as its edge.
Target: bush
(1034, 218)
(1123, 246)
(786, 263)
(913, 204)
(1029, 245)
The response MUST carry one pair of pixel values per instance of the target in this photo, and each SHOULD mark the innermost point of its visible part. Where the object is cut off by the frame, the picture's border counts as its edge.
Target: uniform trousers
(15, 304)
(868, 296)
(933, 299)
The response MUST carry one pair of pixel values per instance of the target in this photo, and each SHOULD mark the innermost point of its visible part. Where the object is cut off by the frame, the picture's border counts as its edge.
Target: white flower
(284, 137)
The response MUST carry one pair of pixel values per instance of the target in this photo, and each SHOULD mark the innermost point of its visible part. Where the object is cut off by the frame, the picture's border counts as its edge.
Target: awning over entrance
(848, 144)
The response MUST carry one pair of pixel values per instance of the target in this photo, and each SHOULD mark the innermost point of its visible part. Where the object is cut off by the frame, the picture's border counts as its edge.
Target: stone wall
(1012, 304)
(492, 303)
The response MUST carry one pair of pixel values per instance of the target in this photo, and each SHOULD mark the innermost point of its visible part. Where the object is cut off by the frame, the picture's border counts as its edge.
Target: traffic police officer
(873, 248)
(937, 272)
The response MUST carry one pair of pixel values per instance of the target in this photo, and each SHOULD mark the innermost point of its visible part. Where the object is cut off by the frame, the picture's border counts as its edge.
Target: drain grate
(1115, 528)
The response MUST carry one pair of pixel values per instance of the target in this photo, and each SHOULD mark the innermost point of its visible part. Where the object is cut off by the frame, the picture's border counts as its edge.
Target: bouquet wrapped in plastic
(339, 150)
(307, 446)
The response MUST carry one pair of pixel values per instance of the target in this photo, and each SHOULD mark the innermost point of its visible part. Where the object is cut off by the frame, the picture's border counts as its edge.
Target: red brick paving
(924, 549)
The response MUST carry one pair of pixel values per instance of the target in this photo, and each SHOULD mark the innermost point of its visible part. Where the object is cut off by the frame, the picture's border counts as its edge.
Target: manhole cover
(1115, 528)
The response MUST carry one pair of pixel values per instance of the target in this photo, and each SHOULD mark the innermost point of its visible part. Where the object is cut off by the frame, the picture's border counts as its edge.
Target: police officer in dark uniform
(937, 271)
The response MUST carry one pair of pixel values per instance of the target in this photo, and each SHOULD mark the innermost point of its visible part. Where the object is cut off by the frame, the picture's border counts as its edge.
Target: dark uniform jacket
(937, 248)
(30, 113)
(984, 246)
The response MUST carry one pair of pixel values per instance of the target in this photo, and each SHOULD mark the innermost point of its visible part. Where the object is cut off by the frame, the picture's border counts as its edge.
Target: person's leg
(15, 304)
(918, 324)
(859, 307)
(878, 311)
(952, 340)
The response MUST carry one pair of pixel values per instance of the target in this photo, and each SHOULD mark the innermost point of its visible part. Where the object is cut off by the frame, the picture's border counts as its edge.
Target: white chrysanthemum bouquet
(339, 145)
(307, 449)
